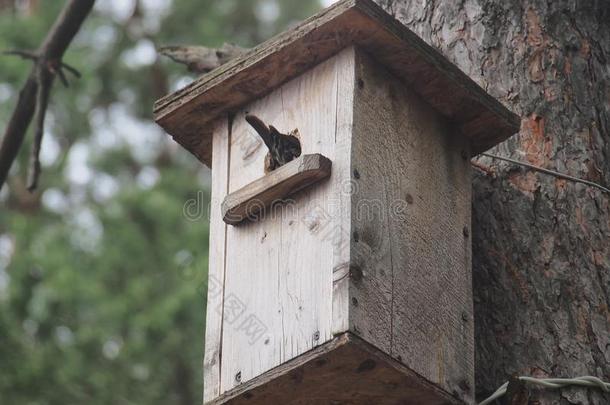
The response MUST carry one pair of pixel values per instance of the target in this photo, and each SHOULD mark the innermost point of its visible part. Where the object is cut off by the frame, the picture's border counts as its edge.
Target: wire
(552, 383)
(550, 172)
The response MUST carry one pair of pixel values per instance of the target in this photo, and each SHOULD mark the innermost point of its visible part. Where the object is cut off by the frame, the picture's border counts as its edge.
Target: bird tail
(262, 129)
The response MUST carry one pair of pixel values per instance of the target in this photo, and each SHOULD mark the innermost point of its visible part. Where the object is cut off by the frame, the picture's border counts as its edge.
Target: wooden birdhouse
(342, 275)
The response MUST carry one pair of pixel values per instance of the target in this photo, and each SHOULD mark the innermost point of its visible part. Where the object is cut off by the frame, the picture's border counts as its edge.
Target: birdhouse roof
(189, 113)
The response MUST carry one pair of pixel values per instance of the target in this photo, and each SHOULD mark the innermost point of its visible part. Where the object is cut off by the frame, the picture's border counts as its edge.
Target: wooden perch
(200, 59)
(33, 97)
(251, 200)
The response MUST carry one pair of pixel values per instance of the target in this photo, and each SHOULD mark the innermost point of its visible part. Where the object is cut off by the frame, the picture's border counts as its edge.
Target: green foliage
(102, 276)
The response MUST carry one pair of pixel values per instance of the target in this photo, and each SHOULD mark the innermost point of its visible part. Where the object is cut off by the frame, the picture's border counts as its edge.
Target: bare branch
(200, 59)
(49, 54)
(24, 54)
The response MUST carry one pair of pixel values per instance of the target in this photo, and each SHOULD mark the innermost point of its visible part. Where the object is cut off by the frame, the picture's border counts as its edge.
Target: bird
(282, 148)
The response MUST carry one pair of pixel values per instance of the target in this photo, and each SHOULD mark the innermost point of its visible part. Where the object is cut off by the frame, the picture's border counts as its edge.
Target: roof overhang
(188, 114)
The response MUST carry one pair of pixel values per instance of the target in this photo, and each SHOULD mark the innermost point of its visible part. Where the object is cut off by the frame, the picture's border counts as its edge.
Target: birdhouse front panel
(277, 275)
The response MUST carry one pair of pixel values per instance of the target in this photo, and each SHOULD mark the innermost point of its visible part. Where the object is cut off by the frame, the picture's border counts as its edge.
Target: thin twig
(549, 172)
(24, 54)
(71, 69)
(62, 77)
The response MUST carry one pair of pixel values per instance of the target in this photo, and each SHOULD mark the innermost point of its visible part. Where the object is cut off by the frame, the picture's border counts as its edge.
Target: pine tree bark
(541, 246)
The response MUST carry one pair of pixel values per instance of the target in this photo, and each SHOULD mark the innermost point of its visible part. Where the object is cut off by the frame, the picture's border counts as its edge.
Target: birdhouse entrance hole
(283, 148)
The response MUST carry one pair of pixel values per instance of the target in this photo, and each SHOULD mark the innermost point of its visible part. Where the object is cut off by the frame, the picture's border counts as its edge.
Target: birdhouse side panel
(412, 296)
(279, 269)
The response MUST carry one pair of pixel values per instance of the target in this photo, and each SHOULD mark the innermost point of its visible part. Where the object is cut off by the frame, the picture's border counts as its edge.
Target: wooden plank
(414, 298)
(279, 269)
(372, 171)
(341, 212)
(251, 200)
(186, 114)
(345, 370)
(216, 266)
(308, 231)
(252, 266)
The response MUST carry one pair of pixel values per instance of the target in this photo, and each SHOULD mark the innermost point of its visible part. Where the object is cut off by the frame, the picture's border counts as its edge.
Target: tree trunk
(541, 245)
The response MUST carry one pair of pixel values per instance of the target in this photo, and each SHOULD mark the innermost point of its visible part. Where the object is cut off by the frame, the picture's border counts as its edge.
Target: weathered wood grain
(186, 114)
(252, 268)
(216, 268)
(341, 209)
(251, 200)
(201, 59)
(345, 370)
(280, 268)
(373, 172)
(413, 295)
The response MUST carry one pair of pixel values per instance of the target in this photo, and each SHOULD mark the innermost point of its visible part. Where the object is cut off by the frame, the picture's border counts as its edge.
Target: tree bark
(541, 245)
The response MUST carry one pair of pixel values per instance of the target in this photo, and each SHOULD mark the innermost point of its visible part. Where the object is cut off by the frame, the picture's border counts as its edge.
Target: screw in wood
(316, 336)
(465, 316)
(238, 377)
(355, 272)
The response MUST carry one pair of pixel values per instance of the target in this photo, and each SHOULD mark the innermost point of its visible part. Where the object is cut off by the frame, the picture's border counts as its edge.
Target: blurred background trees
(102, 270)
